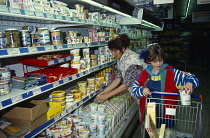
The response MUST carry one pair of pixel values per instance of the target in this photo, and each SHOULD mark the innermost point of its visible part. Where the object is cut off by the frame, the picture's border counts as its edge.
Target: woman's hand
(188, 88)
(102, 97)
(146, 92)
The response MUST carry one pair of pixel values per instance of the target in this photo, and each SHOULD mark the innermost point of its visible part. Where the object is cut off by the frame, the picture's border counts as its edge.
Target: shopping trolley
(184, 121)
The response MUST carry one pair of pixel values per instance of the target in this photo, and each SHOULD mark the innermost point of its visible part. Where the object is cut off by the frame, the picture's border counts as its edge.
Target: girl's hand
(188, 88)
(146, 92)
(101, 98)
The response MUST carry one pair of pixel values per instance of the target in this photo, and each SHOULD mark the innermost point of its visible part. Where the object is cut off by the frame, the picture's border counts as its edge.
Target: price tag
(36, 91)
(69, 45)
(1, 105)
(74, 77)
(17, 99)
(12, 51)
(56, 83)
(39, 14)
(32, 49)
(3, 9)
(29, 13)
(57, 118)
(51, 62)
(60, 60)
(50, 47)
(59, 46)
(14, 10)
(65, 80)
(76, 20)
(59, 17)
(49, 15)
(68, 58)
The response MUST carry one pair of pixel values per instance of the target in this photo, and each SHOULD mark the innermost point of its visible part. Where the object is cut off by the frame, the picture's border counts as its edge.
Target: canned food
(25, 38)
(44, 36)
(56, 37)
(12, 38)
(5, 88)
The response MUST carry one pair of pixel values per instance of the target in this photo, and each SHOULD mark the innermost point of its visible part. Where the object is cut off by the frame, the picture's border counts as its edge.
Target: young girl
(160, 77)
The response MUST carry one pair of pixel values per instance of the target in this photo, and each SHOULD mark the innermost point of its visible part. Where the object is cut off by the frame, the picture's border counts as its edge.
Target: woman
(128, 64)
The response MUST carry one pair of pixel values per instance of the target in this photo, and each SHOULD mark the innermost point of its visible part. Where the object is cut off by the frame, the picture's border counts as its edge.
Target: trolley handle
(174, 94)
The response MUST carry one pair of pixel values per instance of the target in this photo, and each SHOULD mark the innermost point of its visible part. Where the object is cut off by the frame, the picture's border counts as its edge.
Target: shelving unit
(17, 18)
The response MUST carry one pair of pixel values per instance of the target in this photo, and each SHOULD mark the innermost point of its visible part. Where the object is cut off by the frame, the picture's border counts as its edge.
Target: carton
(151, 110)
(55, 109)
(150, 127)
(28, 113)
(30, 125)
(162, 131)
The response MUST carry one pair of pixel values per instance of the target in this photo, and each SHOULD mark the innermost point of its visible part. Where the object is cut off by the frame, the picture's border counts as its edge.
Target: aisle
(203, 76)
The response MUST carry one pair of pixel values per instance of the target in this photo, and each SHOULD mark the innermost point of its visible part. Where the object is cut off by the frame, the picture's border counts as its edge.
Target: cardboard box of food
(31, 114)
(150, 127)
(30, 125)
(54, 110)
(151, 110)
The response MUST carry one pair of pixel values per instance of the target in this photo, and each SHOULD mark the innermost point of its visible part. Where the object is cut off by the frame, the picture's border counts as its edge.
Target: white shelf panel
(18, 95)
(21, 51)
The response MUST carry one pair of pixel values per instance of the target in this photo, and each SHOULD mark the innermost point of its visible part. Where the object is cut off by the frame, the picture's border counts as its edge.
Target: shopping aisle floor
(204, 89)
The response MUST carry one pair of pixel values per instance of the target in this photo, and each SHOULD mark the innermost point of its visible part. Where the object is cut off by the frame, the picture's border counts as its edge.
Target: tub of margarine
(77, 95)
(58, 93)
(58, 99)
(82, 85)
(74, 89)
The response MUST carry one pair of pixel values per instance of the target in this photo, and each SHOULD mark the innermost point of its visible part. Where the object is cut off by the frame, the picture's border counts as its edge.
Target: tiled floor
(204, 89)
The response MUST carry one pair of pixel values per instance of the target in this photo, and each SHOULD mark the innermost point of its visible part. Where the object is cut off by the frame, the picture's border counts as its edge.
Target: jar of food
(44, 36)
(35, 39)
(12, 38)
(25, 40)
(2, 41)
(56, 37)
(5, 74)
(5, 88)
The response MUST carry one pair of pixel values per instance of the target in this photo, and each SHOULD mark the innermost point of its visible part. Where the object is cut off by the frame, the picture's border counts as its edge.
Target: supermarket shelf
(123, 124)
(68, 110)
(33, 16)
(18, 95)
(13, 52)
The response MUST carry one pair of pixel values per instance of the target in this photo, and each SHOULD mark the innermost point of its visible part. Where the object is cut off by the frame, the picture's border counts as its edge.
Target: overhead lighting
(105, 7)
(188, 5)
(144, 23)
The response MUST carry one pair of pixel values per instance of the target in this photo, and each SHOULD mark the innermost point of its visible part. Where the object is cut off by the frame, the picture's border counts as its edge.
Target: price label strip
(51, 62)
(59, 17)
(1, 106)
(17, 99)
(39, 14)
(56, 83)
(65, 80)
(59, 47)
(32, 49)
(3, 9)
(49, 15)
(50, 47)
(36, 91)
(74, 77)
(68, 58)
(12, 51)
(29, 13)
(14, 10)
(60, 60)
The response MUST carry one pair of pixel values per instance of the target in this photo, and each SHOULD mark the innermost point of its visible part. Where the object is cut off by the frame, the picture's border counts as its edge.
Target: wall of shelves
(17, 18)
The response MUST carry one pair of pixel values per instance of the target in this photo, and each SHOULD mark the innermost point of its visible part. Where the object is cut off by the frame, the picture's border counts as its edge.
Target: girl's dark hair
(155, 53)
(123, 41)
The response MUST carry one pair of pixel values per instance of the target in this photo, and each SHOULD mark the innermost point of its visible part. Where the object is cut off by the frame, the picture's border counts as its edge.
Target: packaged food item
(91, 80)
(44, 36)
(58, 93)
(150, 127)
(75, 52)
(94, 56)
(5, 88)
(25, 39)
(35, 39)
(5, 74)
(58, 99)
(77, 95)
(12, 38)
(2, 41)
(86, 52)
(56, 37)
